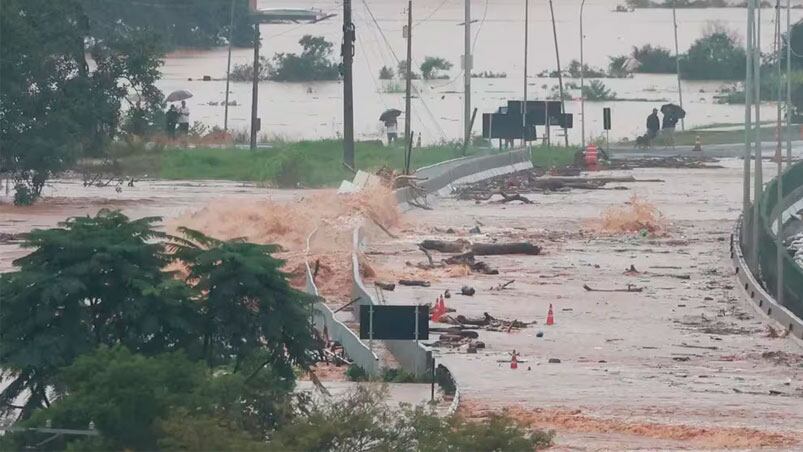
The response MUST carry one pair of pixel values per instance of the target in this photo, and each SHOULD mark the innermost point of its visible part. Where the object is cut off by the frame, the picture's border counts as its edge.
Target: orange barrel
(591, 155)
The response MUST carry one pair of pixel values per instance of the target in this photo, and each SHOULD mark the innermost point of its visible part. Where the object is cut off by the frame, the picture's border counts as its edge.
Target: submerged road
(682, 364)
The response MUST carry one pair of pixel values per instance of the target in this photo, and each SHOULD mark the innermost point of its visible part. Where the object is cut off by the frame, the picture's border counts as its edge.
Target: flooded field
(313, 110)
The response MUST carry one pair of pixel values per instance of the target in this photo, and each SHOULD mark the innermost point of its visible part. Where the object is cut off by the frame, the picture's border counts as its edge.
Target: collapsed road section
(624, 330)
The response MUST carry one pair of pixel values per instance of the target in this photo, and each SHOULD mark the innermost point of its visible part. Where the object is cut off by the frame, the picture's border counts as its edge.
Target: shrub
(654, 60)
(587, 71)
(23, 196)
(618, 66)
(401, 70)
(313, 64)
(356, 373)
(432, 65)
(386, 73)
(597, 91)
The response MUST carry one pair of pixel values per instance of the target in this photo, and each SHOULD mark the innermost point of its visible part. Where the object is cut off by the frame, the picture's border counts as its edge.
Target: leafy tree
(362, 422)
(313, 64)
(796, 39)
(432, 65)
(597, 91)
(386, 73)
(139, 403)
(53, 108)
(93, 281)
(618, 66)
(714, 57)
(654, 60)
(248, 304)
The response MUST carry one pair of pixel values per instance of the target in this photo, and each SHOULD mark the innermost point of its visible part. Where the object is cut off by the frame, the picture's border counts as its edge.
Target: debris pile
(794, 245)
(463, 330)
(695, 162)
(509, 186)
(637, 216)
(466, 258)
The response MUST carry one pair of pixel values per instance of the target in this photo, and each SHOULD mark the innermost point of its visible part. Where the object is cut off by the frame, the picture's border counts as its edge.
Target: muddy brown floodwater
(682, 364)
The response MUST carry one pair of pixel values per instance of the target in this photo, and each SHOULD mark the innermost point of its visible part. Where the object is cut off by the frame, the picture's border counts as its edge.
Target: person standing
(171, 119)
(392, 128)
(668, 132)
(653, 125)
(183, 119)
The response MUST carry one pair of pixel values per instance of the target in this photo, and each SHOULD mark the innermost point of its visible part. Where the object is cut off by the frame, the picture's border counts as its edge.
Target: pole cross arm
(273, 16)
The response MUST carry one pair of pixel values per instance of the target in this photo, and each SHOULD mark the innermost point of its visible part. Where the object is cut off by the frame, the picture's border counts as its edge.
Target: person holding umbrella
(183, 119)
(183, 112)
(171, 118)
(391, 125)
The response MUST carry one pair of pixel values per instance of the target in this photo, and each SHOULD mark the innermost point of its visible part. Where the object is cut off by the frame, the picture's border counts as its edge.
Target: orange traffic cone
(436, 311)
(550, 316)
(442, 304)
(514, 362)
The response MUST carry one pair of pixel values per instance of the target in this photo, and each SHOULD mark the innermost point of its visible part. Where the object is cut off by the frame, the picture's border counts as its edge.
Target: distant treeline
(178, 24)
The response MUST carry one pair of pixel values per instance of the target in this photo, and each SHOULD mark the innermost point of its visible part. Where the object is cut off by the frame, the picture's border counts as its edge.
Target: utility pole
(228, 70)
(758, 176)
(347, 51)
(582, 81)
(677, 65)
(526, 49)
(409, 74)
(748, 128)
(467, 66)
(255, 88)
(560, 76)
(779, 249)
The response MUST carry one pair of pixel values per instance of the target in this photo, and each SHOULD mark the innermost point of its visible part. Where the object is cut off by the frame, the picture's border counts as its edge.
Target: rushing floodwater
(313, 110)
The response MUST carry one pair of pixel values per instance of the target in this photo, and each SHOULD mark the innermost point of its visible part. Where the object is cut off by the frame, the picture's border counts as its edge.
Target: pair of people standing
(178, 118)
(654, 125)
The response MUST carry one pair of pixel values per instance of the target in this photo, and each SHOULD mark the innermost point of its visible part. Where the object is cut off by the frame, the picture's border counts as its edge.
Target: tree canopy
(715, 56)
(102, 281)
(314, 63)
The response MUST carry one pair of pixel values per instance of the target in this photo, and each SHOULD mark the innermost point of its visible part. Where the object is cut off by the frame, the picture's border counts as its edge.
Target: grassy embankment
(735, 136)
(308, 163)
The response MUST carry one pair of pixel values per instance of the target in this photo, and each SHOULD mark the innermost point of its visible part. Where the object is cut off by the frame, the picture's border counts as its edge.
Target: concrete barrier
(324, 317)
(441, 177)
(413, 356)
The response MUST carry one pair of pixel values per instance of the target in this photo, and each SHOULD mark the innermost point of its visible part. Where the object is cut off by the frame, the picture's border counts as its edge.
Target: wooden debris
(414, 283)
(630, 288)
(390, 287)
(446, 246)
(468, 291)
(503, 286)
(515, 197)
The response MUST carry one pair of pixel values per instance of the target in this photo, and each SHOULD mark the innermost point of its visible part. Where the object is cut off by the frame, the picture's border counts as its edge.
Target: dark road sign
(394, 322)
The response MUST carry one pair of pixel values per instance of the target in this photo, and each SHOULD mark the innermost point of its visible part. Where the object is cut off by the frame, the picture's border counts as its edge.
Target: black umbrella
(390, 115)
(178, 95)
(673, 110)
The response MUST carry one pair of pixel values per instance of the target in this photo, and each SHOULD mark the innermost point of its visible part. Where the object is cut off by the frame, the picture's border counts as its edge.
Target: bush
(245, 72)
(356, 373)
(432, 65)
(597, 91)
(654, 60)
(386, 73)
(587, 71)
(715, 56)
(401, 70)
(312, 65)
(397, 376)
(23, 196)
(618, 66)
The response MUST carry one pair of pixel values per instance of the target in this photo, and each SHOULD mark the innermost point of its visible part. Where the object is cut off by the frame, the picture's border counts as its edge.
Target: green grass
(729, 136)
(308, 163)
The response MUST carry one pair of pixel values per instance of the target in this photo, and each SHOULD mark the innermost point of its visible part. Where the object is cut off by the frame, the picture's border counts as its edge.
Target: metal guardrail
(761, 288)
(767, 250)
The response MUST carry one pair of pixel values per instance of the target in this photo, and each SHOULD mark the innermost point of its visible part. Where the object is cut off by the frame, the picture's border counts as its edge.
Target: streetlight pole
(748, 127)
(677, 65)
(255, 88)
(779, 249)
(758, 176)
(228, 70)
(467, 65)
(560, 76)
(582, 81)
(526, 49)
(409, 75)
(788, 83)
